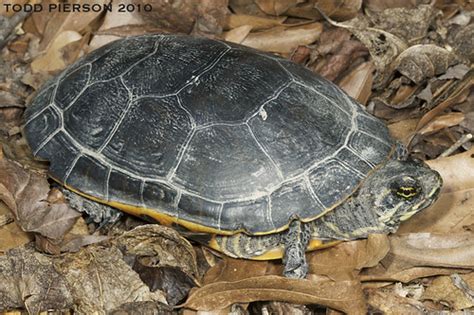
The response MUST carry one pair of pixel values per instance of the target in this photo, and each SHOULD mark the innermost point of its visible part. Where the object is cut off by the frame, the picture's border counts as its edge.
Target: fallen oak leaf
(345, 296)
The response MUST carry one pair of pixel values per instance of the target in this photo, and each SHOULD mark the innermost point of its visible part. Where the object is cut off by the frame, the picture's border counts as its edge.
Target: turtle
(252, 154)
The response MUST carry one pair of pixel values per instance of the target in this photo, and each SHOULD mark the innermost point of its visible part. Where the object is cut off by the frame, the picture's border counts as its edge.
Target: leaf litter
(410, 64)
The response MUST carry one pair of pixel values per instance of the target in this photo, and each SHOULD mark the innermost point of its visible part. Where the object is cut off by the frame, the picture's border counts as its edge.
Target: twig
(8, 24)
(456, 145)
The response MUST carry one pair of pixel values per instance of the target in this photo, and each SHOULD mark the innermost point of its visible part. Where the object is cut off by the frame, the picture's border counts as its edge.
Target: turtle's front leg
(296, 241)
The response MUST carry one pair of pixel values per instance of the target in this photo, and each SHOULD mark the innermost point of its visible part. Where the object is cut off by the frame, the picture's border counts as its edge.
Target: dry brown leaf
(390, 303)
(408, 24)
(257, 22)
(345, 295)
(230, 269)
(148, 307)
(340, 60)
(100, 280)
(61, 22)
(381, 276)
(358, 83)
(11, 235)
(26, 194)
(343, 261)
(455, 250)
(454, 209)
(248, 7)
(276, 7)
(54, 58)
(463, 44)
(238, 34)
(211, 17)
(3, 8)
(177, 16)
(377, 5)
(441, 122)
(420, 255)
(420, 62)
(115, 19)
(29, 281)
(284, 39)
(383, 46)
(276, 307)
(403, 129)
(442, 289)
(340, 10)
(458, 95)
(159, 246)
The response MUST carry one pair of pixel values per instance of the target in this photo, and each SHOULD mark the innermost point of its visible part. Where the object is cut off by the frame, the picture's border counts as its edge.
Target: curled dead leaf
(344, 295)
(159, 246)
(423, 61)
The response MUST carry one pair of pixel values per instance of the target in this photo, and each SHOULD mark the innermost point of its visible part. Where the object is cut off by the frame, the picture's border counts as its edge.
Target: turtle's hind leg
(296, 241)
(99, 213)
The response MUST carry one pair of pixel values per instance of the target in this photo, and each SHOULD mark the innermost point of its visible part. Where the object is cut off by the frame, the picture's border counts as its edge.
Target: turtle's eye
(407, 192)
(406, 188)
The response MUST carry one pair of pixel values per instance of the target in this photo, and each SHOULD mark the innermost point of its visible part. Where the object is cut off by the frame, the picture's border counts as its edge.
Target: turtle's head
(399, 189)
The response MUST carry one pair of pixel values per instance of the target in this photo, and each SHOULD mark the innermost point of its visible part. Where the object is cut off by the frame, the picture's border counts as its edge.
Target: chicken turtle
(257, 156)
